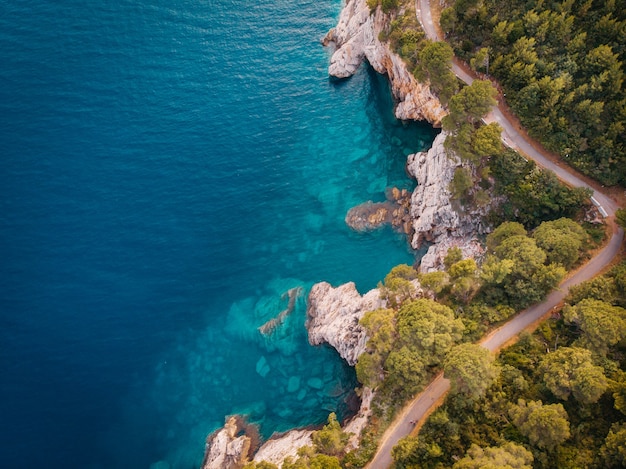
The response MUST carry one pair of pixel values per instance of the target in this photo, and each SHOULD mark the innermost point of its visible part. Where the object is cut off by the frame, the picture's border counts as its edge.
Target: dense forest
(556, 399)
(561, 66)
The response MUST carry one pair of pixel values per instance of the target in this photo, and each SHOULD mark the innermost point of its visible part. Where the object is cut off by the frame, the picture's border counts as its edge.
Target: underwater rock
(270, 326)
(294, 384)
(315, 383)
(396, 211)
(262, 367)
(333, 316)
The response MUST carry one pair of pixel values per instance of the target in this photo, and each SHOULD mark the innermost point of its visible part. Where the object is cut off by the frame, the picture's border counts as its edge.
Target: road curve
(429, 399)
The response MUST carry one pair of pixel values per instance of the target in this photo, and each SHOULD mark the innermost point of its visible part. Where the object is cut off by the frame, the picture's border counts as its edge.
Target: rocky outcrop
(333, 316)
(395, 211)
(356, 39)
(356, 424)
(435, 219)
(226, 450)
(276, 449)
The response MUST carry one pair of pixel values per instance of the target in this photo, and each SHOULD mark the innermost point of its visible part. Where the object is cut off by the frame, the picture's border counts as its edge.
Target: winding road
(429, 399)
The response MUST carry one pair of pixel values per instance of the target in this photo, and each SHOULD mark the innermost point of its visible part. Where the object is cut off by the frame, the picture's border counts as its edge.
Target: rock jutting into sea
(226, 448)
(356, 38)
(396, 211)
(435, 220)
(333, 316)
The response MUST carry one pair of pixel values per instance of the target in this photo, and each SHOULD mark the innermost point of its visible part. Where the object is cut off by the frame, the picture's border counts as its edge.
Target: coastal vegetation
(561, 66)
(558, 400)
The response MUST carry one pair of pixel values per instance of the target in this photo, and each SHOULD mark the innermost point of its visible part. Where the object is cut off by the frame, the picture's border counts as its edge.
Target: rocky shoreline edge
(427, 216)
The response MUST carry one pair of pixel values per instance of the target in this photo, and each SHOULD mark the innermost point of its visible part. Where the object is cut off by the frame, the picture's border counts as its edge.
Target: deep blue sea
(169, 170)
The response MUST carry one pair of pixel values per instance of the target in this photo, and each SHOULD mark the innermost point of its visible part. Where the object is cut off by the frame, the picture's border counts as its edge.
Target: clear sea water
(169, 170)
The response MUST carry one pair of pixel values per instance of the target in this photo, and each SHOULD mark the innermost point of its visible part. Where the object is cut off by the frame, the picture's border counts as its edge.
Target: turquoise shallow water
(170, 169)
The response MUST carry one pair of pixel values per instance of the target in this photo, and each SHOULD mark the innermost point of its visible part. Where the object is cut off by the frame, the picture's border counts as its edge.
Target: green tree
(561, 239)
(260, 465)
(406, 369)
(381, 328)
(600, 288)
(331, 439)
(398, 286)
(480, 61)
(507, 456)
(436, 61)
(545, 426)
(502, 232)
(613, 451)
(470, 369)
(570, 371)
(487, 140)
(453, 256)
(461, 183)
(601, 324)
(464, 268)
(620, 217)
(429, 328)
(434, 281)
(473, 102)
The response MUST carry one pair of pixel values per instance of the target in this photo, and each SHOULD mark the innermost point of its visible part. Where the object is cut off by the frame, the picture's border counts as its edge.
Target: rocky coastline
(356, 38)
(427, 216)
(434, 217)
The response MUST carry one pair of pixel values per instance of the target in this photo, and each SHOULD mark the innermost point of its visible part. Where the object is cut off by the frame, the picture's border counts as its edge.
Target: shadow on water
(399, 138)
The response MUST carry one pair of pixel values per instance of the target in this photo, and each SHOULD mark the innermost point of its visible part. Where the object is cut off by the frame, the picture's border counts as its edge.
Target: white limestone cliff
(435, 220)
(276, 449)
(356, 38)
(226, 450)
(333, 316)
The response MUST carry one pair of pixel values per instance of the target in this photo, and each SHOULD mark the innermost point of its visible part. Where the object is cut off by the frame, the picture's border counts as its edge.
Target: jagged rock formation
(276, 449)
(395, 211)
(356, 424)
(435, 219)
(226, 450)
(356, 39)
(333, 316)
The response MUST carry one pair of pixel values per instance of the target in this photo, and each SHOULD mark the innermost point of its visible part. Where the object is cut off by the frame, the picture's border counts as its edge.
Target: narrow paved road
(429, 399)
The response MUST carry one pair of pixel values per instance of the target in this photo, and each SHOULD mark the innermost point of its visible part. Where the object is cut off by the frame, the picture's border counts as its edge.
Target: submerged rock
(396, 211)
(356, 38)
(262, 367)
(294, 384)
(333, 316)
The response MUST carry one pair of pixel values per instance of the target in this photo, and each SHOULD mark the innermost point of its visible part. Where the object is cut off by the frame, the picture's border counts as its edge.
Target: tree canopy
(470, 369)
(601, 324)
(507, 456)
(545, 426)
(570, 371)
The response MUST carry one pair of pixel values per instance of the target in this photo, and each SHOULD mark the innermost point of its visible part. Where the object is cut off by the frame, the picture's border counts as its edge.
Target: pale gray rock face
(356, 424)
(333, 316)
(224, 449)
(275, 450)
(435, 219)
(356, 39)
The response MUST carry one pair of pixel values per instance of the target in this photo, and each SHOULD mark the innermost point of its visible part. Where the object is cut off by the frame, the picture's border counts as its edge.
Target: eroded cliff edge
(435, 219)
(356, 38)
